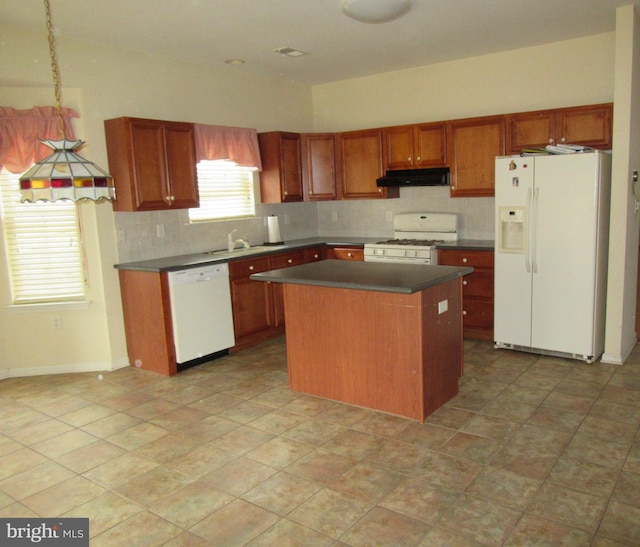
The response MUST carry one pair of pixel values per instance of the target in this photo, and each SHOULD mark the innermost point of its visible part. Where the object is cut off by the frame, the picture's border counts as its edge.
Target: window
(43, 247)
(226, 191)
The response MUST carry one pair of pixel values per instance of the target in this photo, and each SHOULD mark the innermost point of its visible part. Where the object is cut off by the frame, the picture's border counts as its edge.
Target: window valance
(237, 144)
(21, 131)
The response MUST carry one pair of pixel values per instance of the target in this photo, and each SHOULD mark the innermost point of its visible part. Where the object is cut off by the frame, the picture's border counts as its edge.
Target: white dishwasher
(201, 311)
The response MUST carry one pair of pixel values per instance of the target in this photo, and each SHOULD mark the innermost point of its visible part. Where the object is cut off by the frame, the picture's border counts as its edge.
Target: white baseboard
(64, 369)
(618, 359)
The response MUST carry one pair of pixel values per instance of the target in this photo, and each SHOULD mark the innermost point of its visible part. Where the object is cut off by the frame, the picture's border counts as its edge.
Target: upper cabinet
(153, 163)
(281, 177)
(584, 125)
(473, 146)
(360, 160)
(415, 146)
(319, 166)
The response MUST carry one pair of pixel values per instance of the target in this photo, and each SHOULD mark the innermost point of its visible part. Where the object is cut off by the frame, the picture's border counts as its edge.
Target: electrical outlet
(56, 323)
(122, 235)
(334, 216)
(443, 306)
(160, 230)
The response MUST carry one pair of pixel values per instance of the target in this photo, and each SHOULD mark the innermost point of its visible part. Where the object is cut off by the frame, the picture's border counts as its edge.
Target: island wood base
(380, 350)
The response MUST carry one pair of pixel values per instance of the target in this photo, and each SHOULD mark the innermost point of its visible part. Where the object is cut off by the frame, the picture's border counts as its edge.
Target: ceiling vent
(290, 52)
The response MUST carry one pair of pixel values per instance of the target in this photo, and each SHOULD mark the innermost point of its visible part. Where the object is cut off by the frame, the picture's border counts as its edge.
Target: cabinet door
(281, 177)
(361, 164)
(319, 166)
(474, 145)
(585, 125)
(530, 130)
(399, 147)
(151, 185)
(284, 260)
(181, 164)
(430, 145)
(251, 300)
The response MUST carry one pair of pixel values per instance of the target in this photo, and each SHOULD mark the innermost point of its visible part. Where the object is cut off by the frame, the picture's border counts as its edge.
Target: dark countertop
(468, 245)
(194, 260)
(368, 276)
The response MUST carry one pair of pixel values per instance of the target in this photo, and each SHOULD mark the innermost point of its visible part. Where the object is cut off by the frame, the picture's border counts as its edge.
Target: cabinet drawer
(477, 313)
(314, 254)
(479, 283)
(245, 268)
(287, 259)
(476, 259)
(346, 253)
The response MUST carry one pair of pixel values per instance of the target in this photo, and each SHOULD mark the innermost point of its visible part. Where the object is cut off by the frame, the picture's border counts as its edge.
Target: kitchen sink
(243, 252)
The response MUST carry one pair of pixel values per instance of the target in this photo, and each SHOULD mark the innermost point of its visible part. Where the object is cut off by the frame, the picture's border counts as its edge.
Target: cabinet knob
(464, 312)
(464, 260)
(285, 193)
(409, 158)
(251, 268)
(563, 139)
(379, 189)
(290, 261)
(349, 255)
(550, 141)
(316, 255)
(465, 282)
(419, 158)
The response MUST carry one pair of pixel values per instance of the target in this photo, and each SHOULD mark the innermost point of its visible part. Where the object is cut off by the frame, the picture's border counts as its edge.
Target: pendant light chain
(55, 69)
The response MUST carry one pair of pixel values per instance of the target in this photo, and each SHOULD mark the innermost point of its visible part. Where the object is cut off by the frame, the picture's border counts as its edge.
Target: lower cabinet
(258, 307)
(477, 290)
(345, 253)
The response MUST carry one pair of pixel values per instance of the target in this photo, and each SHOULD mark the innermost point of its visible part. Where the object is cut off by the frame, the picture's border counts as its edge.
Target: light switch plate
(443, 306)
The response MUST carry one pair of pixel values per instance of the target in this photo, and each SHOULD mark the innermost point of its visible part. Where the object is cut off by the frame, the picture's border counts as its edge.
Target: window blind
(43, 247)
(226, 191)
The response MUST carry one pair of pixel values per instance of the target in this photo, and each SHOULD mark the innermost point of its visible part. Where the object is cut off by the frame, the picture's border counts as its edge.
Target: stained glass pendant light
(64, 174)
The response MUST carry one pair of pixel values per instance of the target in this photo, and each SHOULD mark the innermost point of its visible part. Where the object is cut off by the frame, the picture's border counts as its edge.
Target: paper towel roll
(273, 229)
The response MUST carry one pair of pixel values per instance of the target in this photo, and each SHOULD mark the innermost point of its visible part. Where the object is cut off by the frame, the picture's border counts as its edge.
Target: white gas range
(416, 236)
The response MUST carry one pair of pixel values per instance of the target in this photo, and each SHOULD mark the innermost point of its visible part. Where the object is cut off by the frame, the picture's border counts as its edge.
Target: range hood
(436, 176)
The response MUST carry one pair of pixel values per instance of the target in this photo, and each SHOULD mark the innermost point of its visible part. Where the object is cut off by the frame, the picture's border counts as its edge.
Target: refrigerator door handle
(534, 229)
(527, 258)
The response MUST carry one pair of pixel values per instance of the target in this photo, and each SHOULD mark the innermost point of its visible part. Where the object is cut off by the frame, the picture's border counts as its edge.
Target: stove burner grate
(414, 242)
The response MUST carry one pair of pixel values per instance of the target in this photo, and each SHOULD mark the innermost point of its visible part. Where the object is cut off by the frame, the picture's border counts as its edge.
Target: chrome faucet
(230, 242)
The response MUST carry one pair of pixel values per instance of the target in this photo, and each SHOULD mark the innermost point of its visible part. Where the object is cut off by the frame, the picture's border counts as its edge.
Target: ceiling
(212, 31)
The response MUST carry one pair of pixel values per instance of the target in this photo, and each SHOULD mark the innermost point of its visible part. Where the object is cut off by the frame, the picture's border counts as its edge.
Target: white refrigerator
(552, 230)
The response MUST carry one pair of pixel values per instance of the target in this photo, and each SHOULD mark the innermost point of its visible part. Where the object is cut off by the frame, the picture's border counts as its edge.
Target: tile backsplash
(157, 234)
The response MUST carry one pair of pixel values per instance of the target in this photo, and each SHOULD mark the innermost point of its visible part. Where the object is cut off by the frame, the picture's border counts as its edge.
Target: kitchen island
(377, 335)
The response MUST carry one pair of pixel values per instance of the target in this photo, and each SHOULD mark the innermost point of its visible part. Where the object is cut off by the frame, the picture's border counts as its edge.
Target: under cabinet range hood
(436, 176)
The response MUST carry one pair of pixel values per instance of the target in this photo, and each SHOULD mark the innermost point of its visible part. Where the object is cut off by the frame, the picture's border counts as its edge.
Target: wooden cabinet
(319, 166)
(258, 307)
(584, 125)
(281, 177)
(147, 320)
(477, 290)
(473, 146)
(415, 146)
(252, 302)
(153, 163)
(345, 252)
(314, 254)
(361, 163)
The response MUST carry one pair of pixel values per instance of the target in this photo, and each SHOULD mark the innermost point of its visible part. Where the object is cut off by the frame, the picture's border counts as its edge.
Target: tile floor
(533, 451)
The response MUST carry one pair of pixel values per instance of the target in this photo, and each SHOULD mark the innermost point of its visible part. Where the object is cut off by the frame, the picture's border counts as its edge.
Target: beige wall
(113, 83)
(623, 244)
(567, 73)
